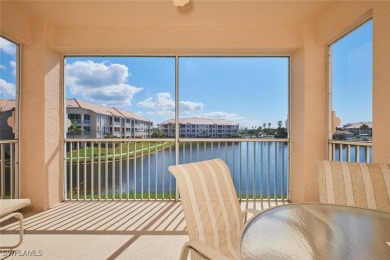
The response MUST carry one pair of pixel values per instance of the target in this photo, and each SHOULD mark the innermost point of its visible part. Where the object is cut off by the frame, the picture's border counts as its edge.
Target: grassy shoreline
(152, 196)
(110, 153)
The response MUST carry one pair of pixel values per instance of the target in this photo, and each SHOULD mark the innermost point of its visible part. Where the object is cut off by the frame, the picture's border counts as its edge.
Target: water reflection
(257, 168)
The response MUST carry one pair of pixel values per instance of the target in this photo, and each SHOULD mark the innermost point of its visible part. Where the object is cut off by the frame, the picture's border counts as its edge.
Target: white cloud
(223, 115)
(190, 107)
(7, 90)
(13, 66)
(250, 123)
(2, 67)
(163, 105)
(7, 46)
(147, 103)
(101, 83)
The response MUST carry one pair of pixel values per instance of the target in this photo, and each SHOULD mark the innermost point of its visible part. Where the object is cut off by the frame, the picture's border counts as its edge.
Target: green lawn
(154, 196)
(117, 148)
(138, 196)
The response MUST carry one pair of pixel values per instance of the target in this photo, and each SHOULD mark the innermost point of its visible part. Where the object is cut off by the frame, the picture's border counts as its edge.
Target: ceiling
(162, 12)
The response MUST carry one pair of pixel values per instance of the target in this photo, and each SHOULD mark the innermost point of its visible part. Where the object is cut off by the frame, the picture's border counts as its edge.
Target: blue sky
(352, 75)
(7, 69)
(248, 90)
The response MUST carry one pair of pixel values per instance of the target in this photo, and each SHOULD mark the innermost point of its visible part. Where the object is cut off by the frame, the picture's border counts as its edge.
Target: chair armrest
(202, 249)
(250, 211)
(20, 217)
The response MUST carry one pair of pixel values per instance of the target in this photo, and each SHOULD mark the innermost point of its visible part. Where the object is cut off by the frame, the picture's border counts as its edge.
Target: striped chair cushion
(210, 204)
(355, 184)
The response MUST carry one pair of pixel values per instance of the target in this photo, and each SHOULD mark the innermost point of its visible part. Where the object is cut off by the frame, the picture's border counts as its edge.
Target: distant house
(97, 121)
(357, 129)
(194, 127)
(7, 108)
(343, 135)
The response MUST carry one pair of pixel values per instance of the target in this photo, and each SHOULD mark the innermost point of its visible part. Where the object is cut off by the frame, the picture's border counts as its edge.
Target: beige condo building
(194, 127)
(97, 121)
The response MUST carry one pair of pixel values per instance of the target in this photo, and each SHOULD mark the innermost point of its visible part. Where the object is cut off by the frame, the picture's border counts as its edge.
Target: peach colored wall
(297, 134)
(34, 183)
(53, 126)
(41, 113)
(14, 24)
(308, 115)
(381, 84)
(175, 39)
(340, 19)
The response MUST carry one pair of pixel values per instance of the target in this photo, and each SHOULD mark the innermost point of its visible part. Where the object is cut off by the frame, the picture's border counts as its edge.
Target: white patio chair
(212, 212)
(365, 185)
(7, 211)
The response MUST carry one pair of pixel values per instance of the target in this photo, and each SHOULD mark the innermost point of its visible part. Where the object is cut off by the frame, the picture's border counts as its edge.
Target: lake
(257, 169)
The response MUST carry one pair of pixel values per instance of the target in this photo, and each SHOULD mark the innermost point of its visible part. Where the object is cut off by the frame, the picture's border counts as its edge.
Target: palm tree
(259, 132)
(235, 132)
(74, 128)
(364, 127)
(171, 129)
(269, 126)
(156, 133)
(281, 131)
(108, 135)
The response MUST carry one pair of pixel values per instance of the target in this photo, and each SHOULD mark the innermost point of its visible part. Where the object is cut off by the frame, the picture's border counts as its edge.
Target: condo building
(358, 128)
(97, 121)
(194, 127)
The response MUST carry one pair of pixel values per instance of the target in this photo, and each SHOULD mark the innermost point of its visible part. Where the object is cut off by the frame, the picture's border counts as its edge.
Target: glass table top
(317, 231)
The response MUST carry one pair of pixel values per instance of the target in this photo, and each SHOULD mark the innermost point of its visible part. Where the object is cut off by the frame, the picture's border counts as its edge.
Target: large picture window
(8, 89)
(9, 133)
(128, 95)
(225, 97)
(169, 110)
(351, 92)
(219, 97)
